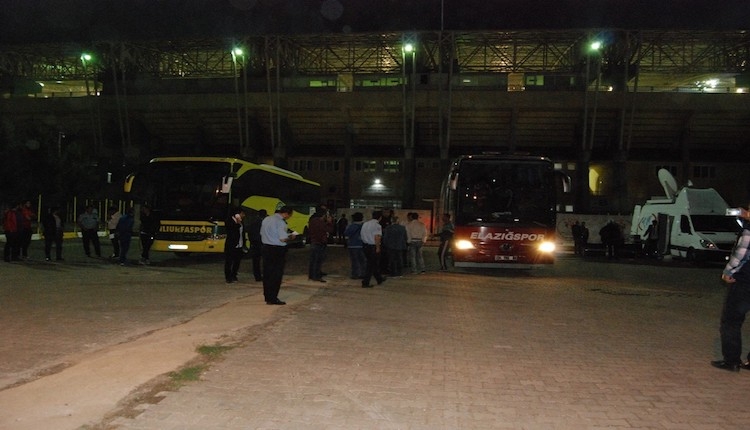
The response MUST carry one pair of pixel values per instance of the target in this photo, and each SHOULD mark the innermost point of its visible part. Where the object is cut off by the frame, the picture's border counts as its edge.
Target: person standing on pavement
(353, 241)
(320, 227)
(149, 226)
(416, 233)
(736, 275)
(52, 224)
(233, 245)
(372, 234)
(256, 244)
(125, 234)
(274, 235)
(446, 236)
(395, 243)
(88, 221)
(25, 233)
(341, 225)
(12, 219)
(113, 217)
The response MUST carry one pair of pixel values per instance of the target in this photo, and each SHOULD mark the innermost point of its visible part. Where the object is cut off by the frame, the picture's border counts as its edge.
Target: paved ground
(586, 344)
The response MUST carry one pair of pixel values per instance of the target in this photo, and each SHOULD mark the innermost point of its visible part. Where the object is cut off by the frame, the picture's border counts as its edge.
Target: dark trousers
(395, 261)
(232, 259)
(25, 238)
(124, 248)
(373, 265)
(89, 237)
(359, 263)
(257, 258)
(146, 241)
(736, 306)
(317, 256)
(12, 246)
(49, 239)
(274, 259)
(115, 243)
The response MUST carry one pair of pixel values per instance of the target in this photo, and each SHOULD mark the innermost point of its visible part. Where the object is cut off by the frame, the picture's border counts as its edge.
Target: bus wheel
(690, 255)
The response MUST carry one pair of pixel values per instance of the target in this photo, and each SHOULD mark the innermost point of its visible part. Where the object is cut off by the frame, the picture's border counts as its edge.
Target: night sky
(86, 20)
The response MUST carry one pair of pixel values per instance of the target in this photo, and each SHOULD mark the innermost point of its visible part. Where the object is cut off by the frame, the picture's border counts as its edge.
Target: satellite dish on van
(667, 182)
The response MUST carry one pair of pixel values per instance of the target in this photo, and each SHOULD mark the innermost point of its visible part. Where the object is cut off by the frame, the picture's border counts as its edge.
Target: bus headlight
(463, 244)
(547, 247)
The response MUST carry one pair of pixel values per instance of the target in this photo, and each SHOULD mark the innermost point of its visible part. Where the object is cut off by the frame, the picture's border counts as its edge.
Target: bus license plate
(505, 258)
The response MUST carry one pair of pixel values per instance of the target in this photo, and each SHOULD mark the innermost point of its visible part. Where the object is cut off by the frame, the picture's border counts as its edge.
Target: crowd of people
(19, 225)
(381, 246)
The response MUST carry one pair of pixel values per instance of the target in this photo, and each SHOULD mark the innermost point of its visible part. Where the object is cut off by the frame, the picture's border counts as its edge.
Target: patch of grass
(192, 373)
(213, 351)
(187, 374)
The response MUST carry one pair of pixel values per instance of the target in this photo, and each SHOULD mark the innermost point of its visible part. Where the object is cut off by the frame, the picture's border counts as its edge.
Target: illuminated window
(391, 166)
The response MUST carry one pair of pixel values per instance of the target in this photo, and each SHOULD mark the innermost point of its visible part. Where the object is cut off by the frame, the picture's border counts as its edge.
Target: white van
(692, 223)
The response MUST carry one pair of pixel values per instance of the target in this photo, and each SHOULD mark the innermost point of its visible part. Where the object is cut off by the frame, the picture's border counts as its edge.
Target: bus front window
(504, 193)
(185, 190)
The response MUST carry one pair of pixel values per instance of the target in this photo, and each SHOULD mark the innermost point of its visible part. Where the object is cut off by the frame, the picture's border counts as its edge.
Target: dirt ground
(54, 312)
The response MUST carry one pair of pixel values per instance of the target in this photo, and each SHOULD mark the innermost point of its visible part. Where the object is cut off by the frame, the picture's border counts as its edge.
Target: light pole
(582, 168)
(235, 53)
(596, 46)
(409, 160)
(85, 59)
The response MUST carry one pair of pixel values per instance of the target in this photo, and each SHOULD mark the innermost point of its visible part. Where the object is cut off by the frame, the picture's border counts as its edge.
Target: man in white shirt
(416, 234)
(372, 234)
(274, 235)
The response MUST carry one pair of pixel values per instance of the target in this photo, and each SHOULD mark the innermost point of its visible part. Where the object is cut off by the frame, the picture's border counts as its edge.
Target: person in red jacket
(12, 219)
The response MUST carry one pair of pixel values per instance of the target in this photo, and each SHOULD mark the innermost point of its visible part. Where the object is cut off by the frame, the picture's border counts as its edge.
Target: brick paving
(583, 345)
(586, 344)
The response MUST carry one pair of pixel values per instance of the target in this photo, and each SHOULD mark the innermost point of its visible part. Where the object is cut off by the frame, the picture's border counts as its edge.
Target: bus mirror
(565, 181)
(128, 183)
(226, 184)
(453, 181)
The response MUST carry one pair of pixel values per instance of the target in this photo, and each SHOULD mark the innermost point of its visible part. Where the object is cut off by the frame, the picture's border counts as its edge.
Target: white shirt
(370, 230)
(273, 230)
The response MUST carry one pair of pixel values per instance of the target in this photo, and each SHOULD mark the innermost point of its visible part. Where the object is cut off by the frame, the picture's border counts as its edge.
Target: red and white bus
(503, 208)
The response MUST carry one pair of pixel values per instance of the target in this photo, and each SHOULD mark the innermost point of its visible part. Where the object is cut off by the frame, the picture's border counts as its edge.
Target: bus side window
(684, 224)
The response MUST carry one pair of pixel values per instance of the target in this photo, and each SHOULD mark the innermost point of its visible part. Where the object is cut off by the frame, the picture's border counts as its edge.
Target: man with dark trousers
(736, 275)
(233, 245)
(372, 235)
(274, 235)
(256, 243)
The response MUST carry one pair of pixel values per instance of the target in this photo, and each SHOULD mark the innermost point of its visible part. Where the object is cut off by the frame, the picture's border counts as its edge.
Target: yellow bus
(192, 196)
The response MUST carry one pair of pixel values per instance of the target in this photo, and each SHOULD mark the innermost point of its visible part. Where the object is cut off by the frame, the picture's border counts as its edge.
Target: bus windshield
(185, 190)
(492, 192)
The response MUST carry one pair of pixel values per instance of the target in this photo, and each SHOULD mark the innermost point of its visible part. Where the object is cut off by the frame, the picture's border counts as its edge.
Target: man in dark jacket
(149, 226)
(320, 227)
(736, 275)
(52, 223)
(233, 245)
